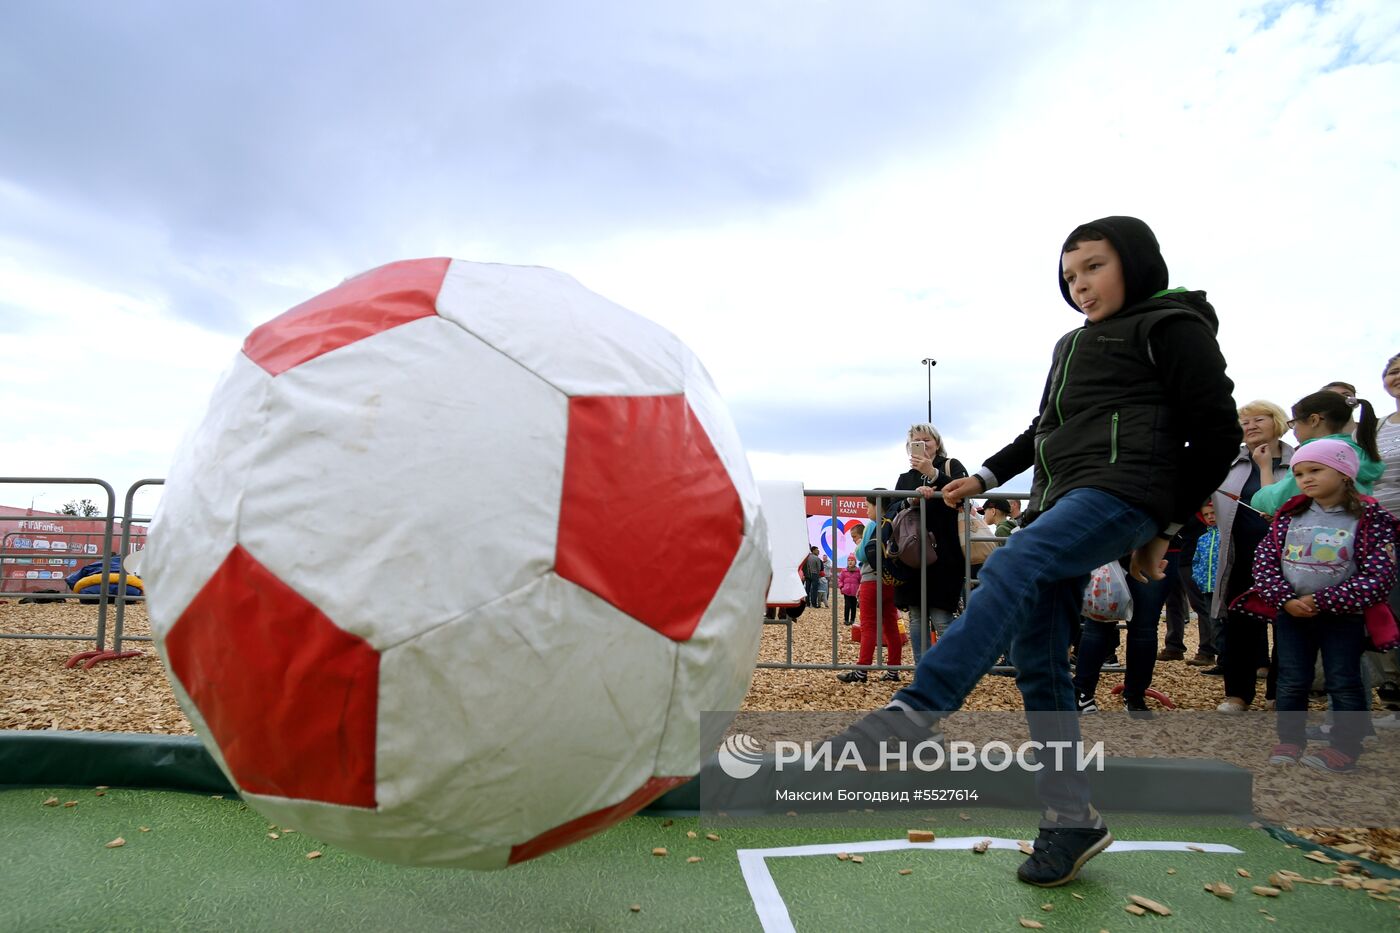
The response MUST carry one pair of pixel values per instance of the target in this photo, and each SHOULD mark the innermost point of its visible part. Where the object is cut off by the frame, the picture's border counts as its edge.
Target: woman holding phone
(930, 465)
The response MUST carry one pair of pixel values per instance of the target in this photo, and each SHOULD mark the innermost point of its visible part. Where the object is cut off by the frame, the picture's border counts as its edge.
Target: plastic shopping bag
(1107, 598)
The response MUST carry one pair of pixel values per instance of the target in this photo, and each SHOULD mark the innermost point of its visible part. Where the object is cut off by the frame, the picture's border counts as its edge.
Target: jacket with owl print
(1373, 554)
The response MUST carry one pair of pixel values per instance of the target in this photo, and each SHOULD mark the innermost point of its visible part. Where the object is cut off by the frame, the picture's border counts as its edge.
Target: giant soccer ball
(453, 563)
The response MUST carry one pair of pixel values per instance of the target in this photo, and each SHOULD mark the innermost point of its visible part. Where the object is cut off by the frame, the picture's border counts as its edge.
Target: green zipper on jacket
(1113, 440)
(1049, 479)
(1064, 375)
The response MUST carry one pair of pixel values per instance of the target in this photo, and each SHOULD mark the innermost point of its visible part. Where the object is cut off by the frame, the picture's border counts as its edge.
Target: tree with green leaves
(83, 508)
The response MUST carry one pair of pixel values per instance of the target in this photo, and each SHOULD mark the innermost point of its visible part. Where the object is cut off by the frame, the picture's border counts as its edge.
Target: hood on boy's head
(1144, 269)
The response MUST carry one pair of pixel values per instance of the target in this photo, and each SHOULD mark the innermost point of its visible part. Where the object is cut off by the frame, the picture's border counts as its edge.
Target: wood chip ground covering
(38, 692)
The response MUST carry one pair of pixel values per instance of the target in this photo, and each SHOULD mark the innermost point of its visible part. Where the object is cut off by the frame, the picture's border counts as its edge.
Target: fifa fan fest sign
(834, 540)
(39, 549)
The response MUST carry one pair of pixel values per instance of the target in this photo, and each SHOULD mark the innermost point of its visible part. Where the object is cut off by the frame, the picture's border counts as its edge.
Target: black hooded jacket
(1137, 405)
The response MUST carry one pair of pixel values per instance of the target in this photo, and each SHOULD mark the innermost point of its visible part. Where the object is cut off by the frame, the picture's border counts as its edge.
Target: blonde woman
(1263, 457)
(931, 467)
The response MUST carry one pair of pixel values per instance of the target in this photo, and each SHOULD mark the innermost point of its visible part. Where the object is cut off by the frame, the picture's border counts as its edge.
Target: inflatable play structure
(88, 580)
(389, 419)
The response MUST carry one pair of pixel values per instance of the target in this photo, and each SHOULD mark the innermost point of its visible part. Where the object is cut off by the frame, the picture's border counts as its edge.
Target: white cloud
(919, 215)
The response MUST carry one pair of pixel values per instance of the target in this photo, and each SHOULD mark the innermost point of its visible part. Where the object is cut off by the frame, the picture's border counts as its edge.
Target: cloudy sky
(813, 195)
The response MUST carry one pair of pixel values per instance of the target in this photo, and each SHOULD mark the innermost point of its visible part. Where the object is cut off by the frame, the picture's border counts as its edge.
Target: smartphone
(918, 448)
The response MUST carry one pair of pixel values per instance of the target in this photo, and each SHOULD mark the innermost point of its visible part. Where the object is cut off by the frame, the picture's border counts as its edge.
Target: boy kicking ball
(1137, 426)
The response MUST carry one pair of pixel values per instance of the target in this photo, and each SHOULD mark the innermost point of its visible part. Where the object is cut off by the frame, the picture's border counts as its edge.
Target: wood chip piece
(70, 803)
(144, 829)
(964, 816)
(1243, 872)
(691, 834)
(659, 850)
(858, 859)
(916, 835)
(693, 859)
(1195, 848)
(1221, 890)
(1135, 910)
(99, 793)
(843, 856)
(1047, 907)
(981, 847)
(51, 802)
(1280, 881)
(792, 813)
(635, 908)
(116, 843)
(1032, 924)
(102, 787)
(316, 854)
(1025, 847)
(273, 836)
(1171, 871)
(713, 837)
(1319, 857)
(1263, 890)
(1076, 895)
(910, 871)
(1160, 909)
(665, 823)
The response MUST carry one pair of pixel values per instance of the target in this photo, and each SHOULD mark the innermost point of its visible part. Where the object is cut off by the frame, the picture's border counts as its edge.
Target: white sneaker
(1388, 721)
(1232, 705)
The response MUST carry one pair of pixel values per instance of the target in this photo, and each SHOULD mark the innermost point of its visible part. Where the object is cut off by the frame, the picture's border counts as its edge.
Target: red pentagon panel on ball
(291, 699)
(650, 520)
(357, 308)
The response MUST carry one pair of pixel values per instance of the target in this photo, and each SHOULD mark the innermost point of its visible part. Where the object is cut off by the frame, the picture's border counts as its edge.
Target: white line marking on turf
(772, 910)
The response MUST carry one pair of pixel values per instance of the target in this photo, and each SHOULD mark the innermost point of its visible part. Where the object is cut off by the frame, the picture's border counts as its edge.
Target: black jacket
(1138, 406)
(945, 576)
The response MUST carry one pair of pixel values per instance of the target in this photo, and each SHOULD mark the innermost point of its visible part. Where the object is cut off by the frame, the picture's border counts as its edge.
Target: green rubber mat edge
(180, 762)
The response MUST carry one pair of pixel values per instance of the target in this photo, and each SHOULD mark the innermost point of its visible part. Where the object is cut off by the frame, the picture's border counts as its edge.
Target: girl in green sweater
(1326, 414)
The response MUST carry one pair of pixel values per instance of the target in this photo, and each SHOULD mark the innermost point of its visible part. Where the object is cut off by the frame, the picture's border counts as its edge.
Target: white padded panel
(785, 508)
(398, 838)
(579, 341)
(397, 500)
(196, 522)
(544, 706)
(716, 665)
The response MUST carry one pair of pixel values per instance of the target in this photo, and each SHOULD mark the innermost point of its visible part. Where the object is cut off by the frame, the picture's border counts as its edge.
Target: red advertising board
(846, 506)
(39, 549)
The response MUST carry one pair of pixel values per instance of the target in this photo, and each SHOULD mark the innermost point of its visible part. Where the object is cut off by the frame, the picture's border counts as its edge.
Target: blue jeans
(1340, 639)
(813, 584)
(1029, 599)
(918, 628)
(1100, 638)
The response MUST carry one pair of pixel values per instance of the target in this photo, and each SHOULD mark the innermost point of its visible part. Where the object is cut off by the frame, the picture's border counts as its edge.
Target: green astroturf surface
(208, 864)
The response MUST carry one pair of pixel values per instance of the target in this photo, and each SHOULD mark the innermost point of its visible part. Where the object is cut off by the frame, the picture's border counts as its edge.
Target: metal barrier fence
(969, 583)
(883, 497)
(127, 520)
(108, 521)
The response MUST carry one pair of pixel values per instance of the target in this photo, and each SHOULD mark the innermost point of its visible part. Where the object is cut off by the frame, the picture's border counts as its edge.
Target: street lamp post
(928, 365)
